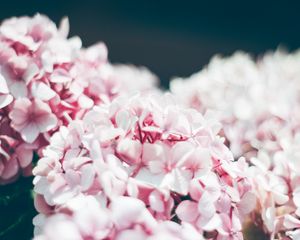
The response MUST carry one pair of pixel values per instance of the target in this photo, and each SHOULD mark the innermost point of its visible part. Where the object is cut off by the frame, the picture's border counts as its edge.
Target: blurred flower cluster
(117, 158)
(257, 103)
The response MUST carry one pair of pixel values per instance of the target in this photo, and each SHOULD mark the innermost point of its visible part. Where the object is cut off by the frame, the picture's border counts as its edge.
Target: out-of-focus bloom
(249, 97)
(258, 105)
(124, 218)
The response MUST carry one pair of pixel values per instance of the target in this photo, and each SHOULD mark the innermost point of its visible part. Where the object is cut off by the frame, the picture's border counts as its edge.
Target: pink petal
(18, 117)
(296, 196)
(130, 150)
(11, 169)
(64, 27)
(205, 206)
(156, 167)
(291, 222)
(30, 72)
(178, 181)
(151, 153)
(181, 151)
(126, 210)
(247, 203)
(134, 234)
(30, 132)
(156, 202)
(24, 155)
(40, 204)
(60, 76)
(187, 211)
(72, 178)
(87, 176)
(46, 122)
(214, 223)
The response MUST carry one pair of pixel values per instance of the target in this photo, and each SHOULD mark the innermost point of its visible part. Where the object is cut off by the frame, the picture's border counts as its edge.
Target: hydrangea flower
(121, 160)
(47, 79)
(149, 148)
(257, 103)
(83, 217)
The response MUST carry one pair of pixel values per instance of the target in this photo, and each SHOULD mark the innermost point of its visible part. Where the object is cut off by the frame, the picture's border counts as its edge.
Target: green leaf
(17, 210)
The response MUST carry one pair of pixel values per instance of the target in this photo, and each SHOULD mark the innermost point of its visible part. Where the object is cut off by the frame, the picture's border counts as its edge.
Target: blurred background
(172, 38)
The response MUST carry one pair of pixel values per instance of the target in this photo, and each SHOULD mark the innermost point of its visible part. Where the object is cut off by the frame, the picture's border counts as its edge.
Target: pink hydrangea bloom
(47, 79)
(15, 154)
(150, 149)
(84, 217)
(121, 160)
(257, 103)
(246, 95)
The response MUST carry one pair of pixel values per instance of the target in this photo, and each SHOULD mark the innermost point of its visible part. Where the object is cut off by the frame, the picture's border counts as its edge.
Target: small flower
(30, 118)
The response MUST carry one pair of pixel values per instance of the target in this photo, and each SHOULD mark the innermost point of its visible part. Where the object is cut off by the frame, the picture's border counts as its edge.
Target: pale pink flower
(29, 32)
(30, 118)
(86, 219)
(74, 164)
(152, 150)
(59, 79)
(15, 155)
(257, 103)
(124, 218)
(18, 72)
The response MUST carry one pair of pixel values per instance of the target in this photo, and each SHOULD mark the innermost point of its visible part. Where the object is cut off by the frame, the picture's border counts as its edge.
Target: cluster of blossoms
(119, 159)
(258, 104)
(125, 218)
(151, 152)
(46, 80)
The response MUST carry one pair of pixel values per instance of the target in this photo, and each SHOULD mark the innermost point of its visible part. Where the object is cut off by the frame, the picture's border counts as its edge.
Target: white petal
(177, 181)
(187, 211)
(30, 132)
(18, 89)
(41, 91)
(60, 77)
(47, 122)
(64, 27)
(5, 100)
(291, 222)
(247, 203)
(31, 71)
(205, 206)
(123, 119)
(87, 176)
(213, 223)
(3, 85)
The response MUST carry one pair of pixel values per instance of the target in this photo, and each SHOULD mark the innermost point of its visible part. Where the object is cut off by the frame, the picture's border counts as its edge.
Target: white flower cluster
(258, 103)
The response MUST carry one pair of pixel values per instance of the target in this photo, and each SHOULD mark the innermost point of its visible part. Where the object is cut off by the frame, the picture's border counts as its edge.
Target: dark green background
(172, 38)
